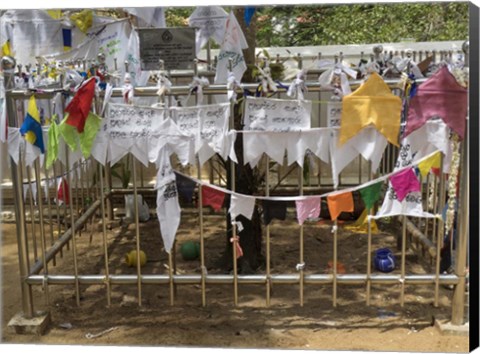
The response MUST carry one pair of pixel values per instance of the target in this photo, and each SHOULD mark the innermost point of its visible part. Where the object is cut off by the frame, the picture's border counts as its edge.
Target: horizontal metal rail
(346, 279)
(216, 89)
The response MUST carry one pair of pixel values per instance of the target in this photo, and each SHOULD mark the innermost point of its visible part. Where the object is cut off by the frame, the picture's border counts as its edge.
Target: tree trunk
(247, 180)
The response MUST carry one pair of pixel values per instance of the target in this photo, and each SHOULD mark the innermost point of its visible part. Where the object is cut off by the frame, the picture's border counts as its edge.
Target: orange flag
(337, 203)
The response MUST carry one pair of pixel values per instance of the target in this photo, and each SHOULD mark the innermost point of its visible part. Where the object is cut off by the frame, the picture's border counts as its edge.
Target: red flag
(212, 197)
(79, 107)
(61, 196)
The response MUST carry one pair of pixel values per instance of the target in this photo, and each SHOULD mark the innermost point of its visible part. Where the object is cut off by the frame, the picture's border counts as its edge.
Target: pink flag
(441, 95)
(307, 208)
(404, 183)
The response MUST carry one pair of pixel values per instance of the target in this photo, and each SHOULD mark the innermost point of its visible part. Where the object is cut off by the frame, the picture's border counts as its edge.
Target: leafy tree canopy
(285, 26)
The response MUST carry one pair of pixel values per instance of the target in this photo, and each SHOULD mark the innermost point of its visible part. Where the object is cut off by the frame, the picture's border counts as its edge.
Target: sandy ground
(385, 325)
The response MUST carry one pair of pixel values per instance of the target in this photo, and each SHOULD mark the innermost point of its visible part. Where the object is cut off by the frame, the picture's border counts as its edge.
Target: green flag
(371, 194)
(52, 144)
(69, 133)
(87, 137)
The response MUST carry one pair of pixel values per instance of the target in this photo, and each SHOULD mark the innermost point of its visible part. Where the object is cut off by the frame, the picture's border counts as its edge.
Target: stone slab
(446, 327)
(37, 324)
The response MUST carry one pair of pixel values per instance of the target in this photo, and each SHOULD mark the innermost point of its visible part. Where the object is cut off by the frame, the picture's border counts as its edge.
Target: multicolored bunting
(273, 210)
(338, 203)
(241, 205)
(404, 183)
(371, 194)
(440, 96)
(79, 107)
(307, 208)
(212, 197)
(432, 162)
(372, 103)
(31, 128)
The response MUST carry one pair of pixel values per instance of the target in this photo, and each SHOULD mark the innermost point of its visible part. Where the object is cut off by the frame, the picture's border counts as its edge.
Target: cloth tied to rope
(236, 241)
(333, 69)
(297, 87)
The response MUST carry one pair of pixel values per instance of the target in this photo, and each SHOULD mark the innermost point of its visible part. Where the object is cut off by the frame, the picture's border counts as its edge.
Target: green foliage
(121, 170)
(355, 24)
(286, 26)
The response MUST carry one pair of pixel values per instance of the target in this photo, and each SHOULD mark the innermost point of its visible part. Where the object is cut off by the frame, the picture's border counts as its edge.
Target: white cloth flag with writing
(210, 21)
(32, 33)
(208, 125)
(231, 48)
(168, 213)
(412, 204)
(272, 114)
(138, 77)
(241, 205)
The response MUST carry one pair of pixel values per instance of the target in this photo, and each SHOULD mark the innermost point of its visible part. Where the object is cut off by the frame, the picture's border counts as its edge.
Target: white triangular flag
(232, 45)
(132, 56)
(168, 212)
(241, 205)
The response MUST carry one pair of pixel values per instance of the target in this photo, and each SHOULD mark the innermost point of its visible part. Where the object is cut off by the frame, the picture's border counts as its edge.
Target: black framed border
(473, 128)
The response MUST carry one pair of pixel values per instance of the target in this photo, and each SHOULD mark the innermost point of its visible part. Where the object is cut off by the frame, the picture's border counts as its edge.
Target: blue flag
(31, 128)
(248, 14)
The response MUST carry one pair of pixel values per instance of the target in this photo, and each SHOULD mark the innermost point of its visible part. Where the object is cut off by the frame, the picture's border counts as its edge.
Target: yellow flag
(83, 20)
(371, 104)
(55, 14)
(6, 48)
(360, 226)
(426, 165)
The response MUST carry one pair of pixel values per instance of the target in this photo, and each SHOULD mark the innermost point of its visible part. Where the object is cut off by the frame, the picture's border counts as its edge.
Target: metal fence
(54, 229)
